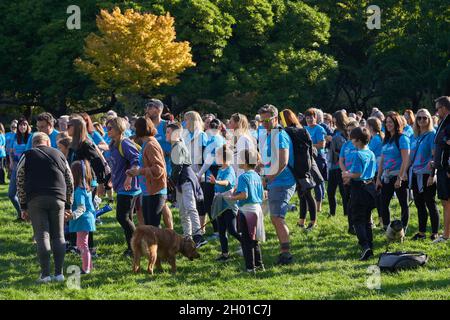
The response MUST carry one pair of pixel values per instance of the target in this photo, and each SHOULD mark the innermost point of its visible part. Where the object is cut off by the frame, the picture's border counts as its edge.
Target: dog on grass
(160, 245)
(395, 231)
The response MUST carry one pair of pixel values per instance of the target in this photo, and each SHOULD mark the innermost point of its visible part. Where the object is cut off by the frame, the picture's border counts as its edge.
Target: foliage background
(247, 52)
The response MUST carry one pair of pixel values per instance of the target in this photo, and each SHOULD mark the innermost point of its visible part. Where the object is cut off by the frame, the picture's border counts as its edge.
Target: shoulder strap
(417, 147)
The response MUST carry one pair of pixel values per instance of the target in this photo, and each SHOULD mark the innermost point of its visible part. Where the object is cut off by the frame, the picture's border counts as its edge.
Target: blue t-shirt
(423, 150)
(376, 144)
(2, 146)
(392, 154)
(96, 138)
(408, 131)
(227, 174)
(161, 137)
(195, 145)
(214, 142)
(317, 134)
(281, 141)
(52, 137)
(9, 137)
(86, 222)
(348, 151)
(18, 149)
(364, 162)
(250, 183)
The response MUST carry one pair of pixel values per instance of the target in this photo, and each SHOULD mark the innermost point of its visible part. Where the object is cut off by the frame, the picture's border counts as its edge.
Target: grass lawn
(326, 267)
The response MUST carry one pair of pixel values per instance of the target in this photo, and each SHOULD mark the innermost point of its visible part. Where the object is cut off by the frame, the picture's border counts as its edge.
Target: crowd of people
(229, 173)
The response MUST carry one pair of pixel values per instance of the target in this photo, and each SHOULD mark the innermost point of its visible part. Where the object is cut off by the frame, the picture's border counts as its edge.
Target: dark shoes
(311, 227)
(366, 254)
(223, 258)
(285, 258)
(351, 230)
(199, 241)
(418, 236)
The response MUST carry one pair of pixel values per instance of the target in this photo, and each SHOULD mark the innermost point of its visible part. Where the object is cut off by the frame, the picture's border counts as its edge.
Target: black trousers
(346, 202)
(2, 170)
(387, 191)
(423, 201)
(152, 207)
(307, 202)
(124, 215)
(250, 247)
(226, 222)
(361, 205)
(208, 194)
(335, 181)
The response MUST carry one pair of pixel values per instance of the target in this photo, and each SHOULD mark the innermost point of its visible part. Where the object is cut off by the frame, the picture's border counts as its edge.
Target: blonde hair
(242, 125)
(416, 127)
(193, 121)
(120, 125)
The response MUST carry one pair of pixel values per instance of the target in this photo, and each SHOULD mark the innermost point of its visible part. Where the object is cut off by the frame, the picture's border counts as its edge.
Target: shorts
(279, 198)
(443, 185)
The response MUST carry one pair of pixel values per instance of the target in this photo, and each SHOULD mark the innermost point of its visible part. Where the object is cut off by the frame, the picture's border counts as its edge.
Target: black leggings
(387, 191)
(124, 215)
(307, 202)
(250, 247)
(335, 181)
(208, 194)
(423, 201)
(152, 207)
(227, 222)
(2, 170)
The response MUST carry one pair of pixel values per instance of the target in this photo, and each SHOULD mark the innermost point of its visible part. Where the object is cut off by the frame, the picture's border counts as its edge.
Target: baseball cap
(154, 103)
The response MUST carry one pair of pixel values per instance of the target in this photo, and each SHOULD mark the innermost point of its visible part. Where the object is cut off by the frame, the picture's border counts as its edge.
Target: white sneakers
(48, 279)
(441, 239)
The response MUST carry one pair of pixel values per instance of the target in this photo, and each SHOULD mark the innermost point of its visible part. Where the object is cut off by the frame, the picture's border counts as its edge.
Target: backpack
(395, 261)
(303, 151)
(137, 146)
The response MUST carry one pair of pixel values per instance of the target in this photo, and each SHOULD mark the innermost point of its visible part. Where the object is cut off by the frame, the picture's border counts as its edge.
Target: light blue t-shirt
(2, 146)
(281, 141)
(408, 131)
(227, 174)
(348, 151)
(9, 137)
(317, 133)
(423, 150)
(52, 137)
(165, 146)
(214, 142)
(96, 138)
(86, 222)
(364, 162)
(392, 154)
(250, 183)
(18, 149)
(376, 144)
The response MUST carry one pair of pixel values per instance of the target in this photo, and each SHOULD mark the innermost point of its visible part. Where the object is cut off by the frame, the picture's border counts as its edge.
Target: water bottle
(103, 210)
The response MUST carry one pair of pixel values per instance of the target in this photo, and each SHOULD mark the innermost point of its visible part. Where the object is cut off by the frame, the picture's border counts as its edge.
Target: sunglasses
(268, 120)
(422, 118)
(109, 128)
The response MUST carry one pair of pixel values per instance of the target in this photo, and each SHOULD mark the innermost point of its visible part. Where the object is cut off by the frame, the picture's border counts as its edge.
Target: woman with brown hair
(93, 135)
(151, 172)
(289, 120)
(409, 117)
(18, 147)
(392, 170)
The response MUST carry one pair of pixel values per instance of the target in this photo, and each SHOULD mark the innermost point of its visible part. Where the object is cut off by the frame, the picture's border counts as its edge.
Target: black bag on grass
(395, 261)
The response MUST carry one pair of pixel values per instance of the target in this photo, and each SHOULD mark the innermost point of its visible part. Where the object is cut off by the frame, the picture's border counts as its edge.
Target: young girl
(224, 182)
(249, 194)
(82, 219)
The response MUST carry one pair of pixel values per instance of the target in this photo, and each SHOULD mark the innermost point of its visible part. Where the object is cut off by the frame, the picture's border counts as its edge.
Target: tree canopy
(246, 53)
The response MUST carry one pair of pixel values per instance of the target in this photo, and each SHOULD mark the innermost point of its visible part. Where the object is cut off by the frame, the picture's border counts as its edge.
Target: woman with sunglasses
(421, 178)
(18, 147)
(392, 170)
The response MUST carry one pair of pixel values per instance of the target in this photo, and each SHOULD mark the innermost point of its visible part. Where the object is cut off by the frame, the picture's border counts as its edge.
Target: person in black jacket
(45, 191)
(441, 161)
(82, 148)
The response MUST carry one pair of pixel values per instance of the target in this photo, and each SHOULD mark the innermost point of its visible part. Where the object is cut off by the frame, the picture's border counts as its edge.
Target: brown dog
(160, 245)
